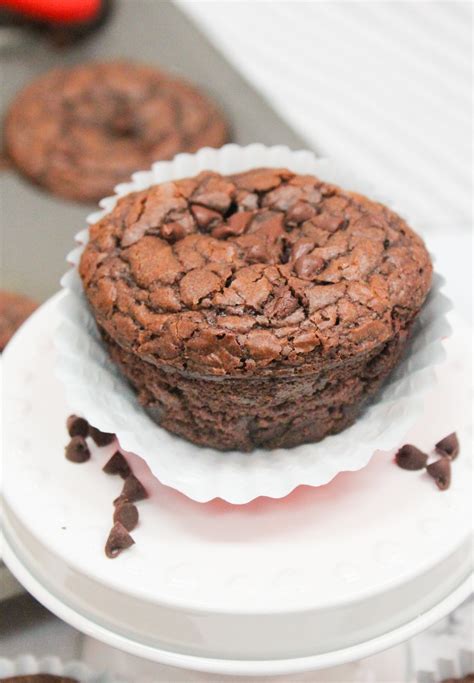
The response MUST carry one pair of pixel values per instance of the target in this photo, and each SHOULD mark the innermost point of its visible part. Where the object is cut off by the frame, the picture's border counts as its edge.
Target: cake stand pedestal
(322, 577)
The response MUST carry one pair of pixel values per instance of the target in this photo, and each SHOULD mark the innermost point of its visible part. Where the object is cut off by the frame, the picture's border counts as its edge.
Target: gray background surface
(37, 228)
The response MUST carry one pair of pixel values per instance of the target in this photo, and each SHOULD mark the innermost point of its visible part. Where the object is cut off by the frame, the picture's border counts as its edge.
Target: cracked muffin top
(262, 271)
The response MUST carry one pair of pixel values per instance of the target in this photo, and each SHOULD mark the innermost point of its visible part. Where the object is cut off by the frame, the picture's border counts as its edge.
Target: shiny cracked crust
(79, 131)
(261, 272)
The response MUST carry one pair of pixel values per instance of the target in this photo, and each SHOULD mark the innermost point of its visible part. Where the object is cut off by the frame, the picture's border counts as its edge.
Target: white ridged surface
(95, 388)
(386, 83)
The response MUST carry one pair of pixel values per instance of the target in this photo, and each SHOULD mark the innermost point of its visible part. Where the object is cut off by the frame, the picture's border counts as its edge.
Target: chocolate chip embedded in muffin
(14, 310)
(296, 295)
(78, 131)
(448, 447)
(410, 457)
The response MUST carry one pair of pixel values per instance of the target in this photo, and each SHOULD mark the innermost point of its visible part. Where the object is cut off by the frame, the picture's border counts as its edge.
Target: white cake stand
(323, 577)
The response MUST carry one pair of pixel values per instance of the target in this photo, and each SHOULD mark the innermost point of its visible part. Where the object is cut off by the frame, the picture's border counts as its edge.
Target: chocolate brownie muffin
(261, 309)
(14, 310)
(79, 131)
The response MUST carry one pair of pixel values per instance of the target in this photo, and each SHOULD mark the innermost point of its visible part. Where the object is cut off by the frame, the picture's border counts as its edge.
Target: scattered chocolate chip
(101, 438)
(410, 457)
(133, 490)
(127, 514)
(77, 450)
(119, 539)
(117, 465)
(441, 473)
(448, 447)
(120, 500)
(77, 426)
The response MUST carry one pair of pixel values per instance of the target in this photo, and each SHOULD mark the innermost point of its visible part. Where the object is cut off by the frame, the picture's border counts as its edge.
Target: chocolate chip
(77, 426)
(117, 465)
(127, 514)
(119, 539)
(77, 450)
(120, 500)
(448, 447)
(101, 438)
(133, 490)
(410, 457)
(441, 473)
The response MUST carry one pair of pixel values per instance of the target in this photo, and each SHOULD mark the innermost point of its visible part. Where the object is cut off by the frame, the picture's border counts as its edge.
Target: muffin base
(258, 412)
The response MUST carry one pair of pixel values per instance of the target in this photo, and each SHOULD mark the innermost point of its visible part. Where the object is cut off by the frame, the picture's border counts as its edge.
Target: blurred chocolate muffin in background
(79, 131)
(14, 310)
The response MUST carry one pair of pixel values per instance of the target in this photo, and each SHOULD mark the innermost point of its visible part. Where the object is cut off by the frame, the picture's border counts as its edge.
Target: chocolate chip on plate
(127, 514)
(119, 539)
(441, 473)
(101, 438)
(120, 500)
(117, 465)
(133, 490)
(77, 426)
(410, 457)
(77, 450)
(448, 447)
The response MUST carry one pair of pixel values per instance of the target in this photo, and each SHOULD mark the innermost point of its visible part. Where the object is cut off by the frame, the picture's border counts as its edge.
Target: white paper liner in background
(96, 389)
(28, 665)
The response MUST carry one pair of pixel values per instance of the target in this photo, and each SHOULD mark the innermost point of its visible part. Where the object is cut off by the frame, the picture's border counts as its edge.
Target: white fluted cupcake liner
(96, 389)
(28, 665)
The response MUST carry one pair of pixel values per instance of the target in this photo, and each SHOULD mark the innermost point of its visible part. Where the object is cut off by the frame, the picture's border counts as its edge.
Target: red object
(61, 11)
